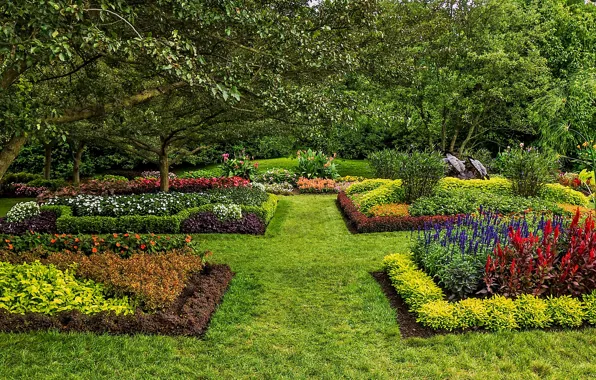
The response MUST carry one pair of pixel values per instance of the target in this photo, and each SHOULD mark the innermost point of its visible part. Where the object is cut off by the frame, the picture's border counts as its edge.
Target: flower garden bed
(154, 213)
(119, 284)
(484, 272)
(377, 205)
(358, 222)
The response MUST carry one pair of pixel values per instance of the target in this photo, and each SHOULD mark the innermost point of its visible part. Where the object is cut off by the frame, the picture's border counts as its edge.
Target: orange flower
(94, 250)
(115, 235)
(52, 241)
(126, 235)
(75, 247)
(137, 236)
(143, 246)
(10, 246)
(77, 240)
(152, 242)
(117, 244)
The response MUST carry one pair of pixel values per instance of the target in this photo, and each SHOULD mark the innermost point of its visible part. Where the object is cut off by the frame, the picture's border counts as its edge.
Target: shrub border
(67, 223)
(189, 315)
(427, 300)
(360, 223)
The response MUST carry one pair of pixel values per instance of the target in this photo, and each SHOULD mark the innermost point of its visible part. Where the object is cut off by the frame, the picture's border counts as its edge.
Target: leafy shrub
(454, 202)
(495, 185)
(203, 173)
(501, 314)
(22, 211)
(312, 164)
(317, 185)
(528, 169)
(391, 192)
(238, 167)
(589, 301)
(227, 211)
(419, 171)
(558, 193)
(392, 209)
(413, 285)
(250, 196)
(21, 177)
(471, 312)
(566, 311)
(51, 184)
(154, 281)
(439, 315)
(110, 177)
(45, 289)
(124, 244)
(45, 222)
(532, 312)
(385, 163)
(366, 186)
(277, 176)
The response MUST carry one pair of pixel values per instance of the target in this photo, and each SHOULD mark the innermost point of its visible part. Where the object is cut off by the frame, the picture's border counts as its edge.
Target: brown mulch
(408, 326)
(188, 315)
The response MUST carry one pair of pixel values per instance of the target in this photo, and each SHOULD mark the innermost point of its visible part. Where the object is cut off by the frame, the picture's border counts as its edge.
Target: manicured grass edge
(426, 299)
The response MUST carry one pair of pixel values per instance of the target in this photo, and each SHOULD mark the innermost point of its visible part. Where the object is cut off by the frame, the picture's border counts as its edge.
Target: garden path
(302, 305)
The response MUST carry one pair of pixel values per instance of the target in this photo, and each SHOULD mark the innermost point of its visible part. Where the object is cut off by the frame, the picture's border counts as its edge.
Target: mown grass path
(302, 305)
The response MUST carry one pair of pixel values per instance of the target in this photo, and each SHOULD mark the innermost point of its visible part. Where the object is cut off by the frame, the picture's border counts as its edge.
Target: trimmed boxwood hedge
(426, 299)
(67, 223)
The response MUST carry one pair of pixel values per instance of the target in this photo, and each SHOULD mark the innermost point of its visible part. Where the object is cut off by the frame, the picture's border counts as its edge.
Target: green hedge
(497, 313)
(67, 223)
(391, 192)
(366, 186)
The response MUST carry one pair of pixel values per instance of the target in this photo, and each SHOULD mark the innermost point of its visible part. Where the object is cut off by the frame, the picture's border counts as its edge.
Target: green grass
(302, 305)
(344, 167)
(7, 203)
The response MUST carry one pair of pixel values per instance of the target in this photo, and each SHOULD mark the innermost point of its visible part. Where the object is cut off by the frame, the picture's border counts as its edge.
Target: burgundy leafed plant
(533, 264)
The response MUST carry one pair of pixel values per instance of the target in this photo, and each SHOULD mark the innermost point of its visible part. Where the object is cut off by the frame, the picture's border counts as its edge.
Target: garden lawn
(358, 168)
(303, 305)
(7, 203)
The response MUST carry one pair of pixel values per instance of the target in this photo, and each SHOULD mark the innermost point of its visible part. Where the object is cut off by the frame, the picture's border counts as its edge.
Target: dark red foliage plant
(534, 265)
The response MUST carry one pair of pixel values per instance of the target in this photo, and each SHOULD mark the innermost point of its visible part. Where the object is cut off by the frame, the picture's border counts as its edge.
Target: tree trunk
(467, 139)
(453, 141)
(164, 171)
(10, 151)
(76, 167)
(47, 164)
(444, 129)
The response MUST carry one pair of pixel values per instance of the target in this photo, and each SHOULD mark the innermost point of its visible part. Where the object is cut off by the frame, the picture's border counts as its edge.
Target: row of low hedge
(361, 223)
(496, 313)
(381, 191)
(67, 223)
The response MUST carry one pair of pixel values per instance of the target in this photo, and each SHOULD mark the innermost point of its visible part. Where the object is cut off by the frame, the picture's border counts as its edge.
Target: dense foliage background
(122, 85)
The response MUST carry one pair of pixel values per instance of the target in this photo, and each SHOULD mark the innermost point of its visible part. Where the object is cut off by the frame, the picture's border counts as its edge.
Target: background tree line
(169, 82)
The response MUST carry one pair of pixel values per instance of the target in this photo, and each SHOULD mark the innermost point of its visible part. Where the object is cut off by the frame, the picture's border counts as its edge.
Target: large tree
(222, 50)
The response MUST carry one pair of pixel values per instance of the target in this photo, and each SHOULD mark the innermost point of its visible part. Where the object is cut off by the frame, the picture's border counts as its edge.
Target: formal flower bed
(379, 204)
(238, 209)
(500, 274)
(161, 292)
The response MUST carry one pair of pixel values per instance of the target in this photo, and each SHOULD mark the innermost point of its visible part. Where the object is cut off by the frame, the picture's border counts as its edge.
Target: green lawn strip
(344, 167)
(7, 203)
(303, 305)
